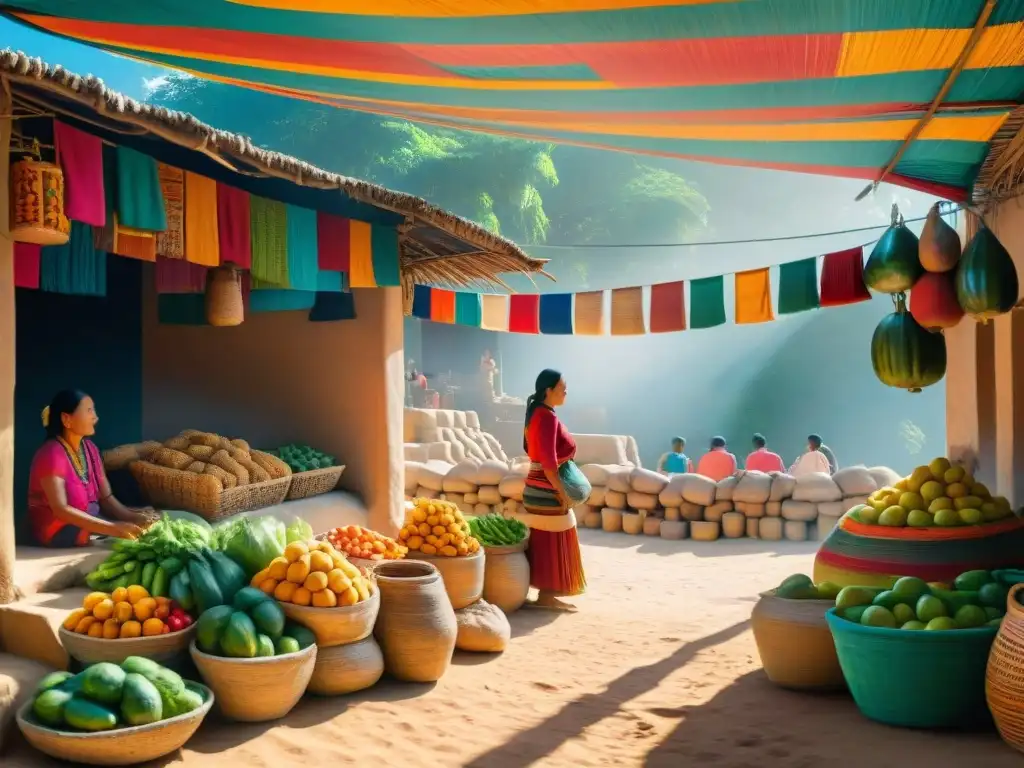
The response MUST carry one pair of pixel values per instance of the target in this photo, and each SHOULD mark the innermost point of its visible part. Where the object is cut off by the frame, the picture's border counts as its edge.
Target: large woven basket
(37, 203)
(161, 648)
(1004, 676)
(315, 482)
(796, 647)
(507, 576)
(177, 489)
(256, 690)
(347, 668)
(337, 626)
(121, 746)
(463, 576)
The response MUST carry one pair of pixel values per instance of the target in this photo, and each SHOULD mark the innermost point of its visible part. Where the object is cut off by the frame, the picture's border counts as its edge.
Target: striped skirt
(556, 566)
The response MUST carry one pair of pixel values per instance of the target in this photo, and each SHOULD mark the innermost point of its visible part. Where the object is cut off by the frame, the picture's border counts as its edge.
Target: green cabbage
(252, 542)
(298, 530)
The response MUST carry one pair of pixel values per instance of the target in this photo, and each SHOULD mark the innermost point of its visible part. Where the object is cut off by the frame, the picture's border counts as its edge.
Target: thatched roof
(436, 246)
(1002, 174)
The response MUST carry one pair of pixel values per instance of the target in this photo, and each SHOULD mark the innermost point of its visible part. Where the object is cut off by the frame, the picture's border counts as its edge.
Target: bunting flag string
(832, 280)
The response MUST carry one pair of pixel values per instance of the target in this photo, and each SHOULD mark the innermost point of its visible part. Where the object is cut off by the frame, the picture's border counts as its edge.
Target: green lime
(903, 613)
(941, 623)
(877, 616)
(929, 607)
(968, 616)
(913, 625)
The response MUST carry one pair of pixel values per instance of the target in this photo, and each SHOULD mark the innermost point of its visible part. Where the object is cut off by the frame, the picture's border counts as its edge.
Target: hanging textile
(133, 243)
(332, 242)
(707, 302)
(494, 312)
(421, 301)
(202, 240)
(268, 222)
(524, 313)
(281, 300)
(384, 247)
(798, 286)
(171, 242)
(115, 236)
(442, 305)
(468, 310)
(179, 276)
(753, 294)
(556, 314)
(27, 257)
(331, 307)
(234, 230)
(360, 270)
(81, 158)
(628, 312)
(140, 201)
(75, 268)
(181, 308)
(329, 282)
(588, 315)
(302, 249)
(842, 278)
(668, 307)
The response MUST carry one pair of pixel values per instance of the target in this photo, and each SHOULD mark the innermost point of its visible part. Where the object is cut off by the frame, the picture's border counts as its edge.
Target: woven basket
(256, 690)
(161, 648)
(37, 203)
(416, 627)
(795, 644)
(224, 304)
(315, 482)
(176, 489)
(346, 668)
(463, 576)
(121, 746)
(1004, 676)
(337, 626)
(507, 576)
(915, 679)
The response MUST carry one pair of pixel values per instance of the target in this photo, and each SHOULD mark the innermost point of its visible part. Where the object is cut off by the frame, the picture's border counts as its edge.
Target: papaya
(972, 581)
(140, 703)
(986, 278)
(248, 598)
(229, 575)
(300, 634)
(939, 248)
(204, 585)
(48, 706)
(186, 701)
(268, 616)
(52, 680)
(103, 682)
(904, 355)
(933, 301)
(796, 587)
(84, 715)
(238, 639)
(264, 645)
(211, 626)
(894, 264)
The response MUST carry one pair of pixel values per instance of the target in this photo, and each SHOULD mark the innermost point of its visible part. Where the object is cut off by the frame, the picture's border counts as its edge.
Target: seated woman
(69, 497)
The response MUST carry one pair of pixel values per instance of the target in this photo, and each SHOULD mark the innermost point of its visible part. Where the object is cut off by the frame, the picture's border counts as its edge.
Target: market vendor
(69, 497)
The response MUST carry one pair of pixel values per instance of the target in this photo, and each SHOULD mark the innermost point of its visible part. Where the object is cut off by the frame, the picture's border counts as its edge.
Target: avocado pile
(303, 458)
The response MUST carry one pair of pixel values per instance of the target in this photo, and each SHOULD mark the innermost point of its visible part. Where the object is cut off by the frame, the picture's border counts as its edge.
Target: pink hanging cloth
(233, 227)
(179, 276)
(81, 158)
(27, 259)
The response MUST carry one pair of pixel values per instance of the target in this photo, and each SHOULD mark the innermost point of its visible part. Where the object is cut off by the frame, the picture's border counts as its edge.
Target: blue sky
(123, 75)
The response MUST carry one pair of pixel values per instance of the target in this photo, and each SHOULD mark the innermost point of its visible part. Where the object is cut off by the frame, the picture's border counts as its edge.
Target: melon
(894, 265)
(904, 355)
(933, 301)
(939, 247)
(986, 278)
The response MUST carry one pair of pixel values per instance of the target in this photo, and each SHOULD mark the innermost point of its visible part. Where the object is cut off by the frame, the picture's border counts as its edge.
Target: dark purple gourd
(904, 355)
(894, 265)
(986, 278)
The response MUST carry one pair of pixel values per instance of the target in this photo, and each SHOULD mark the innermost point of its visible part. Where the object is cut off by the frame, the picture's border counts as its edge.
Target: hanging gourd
(933, 301)
(894, 264)
(905, 355)
(224, 304)
(939, 249)
(986, 278)
(37, 203)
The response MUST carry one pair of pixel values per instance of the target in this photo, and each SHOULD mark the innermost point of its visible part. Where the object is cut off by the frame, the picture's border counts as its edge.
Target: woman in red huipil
(553, 487)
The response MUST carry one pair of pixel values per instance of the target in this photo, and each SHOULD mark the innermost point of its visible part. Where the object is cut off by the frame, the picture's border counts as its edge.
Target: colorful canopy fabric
(820, 86)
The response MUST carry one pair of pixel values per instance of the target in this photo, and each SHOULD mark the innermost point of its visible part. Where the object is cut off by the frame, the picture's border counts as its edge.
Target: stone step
(18, 680)
(28, 627)
(40, 569)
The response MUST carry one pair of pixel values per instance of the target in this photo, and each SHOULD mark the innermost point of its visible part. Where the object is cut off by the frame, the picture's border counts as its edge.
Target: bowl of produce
(113, 714)
(126, 622)
(915, 655)
(363, 546)
(320, 589)
(437, 532)
(506, 569)
(313, 472)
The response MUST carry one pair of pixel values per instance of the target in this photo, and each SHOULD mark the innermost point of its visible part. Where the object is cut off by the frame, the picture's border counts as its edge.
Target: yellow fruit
(119, 595)
(1002, 503)
(299, 569)
(152, 627)
(460, 539)
(419, 516)
(967, 502)
(432, 540)
(474, 545)
(414, 542)
(424, 529)
(136, 593)
(268, 586)
(95, 629)
(324, 546)
(433, 520)
(260, 577)
(403, 535)
(449, 551)
(338, 559)
(910, 500)
(349, 570)
(445, 540)
(324, 598)
(73, 618)
(302, 596)
(104, 609)
(447, 519)
(938, 467)
(954, 475)
(320, 562)
(295, 550)
(893, 498)
(349, 597)
(901, 485)
(362, 589)
(316, 581)
(428, 549)
(439, 530)
(981, 491)
(932, 490)
(879, 504)
(462, 548)
(278, 569)
(92, 599)
(83, 624)
(956, 490)
(145, 608)
(337, 581)
(131, 629)
(284, 591)
(971, 516)
(967, 479)
(111, 629)
(943, 502)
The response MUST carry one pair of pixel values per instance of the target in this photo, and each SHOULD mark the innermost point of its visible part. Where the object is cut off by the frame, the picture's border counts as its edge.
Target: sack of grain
(638, 500)
(672, 494)
(472, 498)
(432, 474)
(511, 487)
(412, 475)
(750, 509)
(422, 492)
(490, 472)
(488, 494)
(773, 509)
(725, 488)
(461, 478)
(618, 480)
(855, 481)
(800, 511)
(458, 499)
(714, 513)
(597, 494)
(816, 487)
(849, 502)
(614, 499)
(699, 490)
(597, 474)
(883, 476)
(647, 481)
(832, 508)
(483, 628)
(753, 488)
(782, 487)
(694, 512)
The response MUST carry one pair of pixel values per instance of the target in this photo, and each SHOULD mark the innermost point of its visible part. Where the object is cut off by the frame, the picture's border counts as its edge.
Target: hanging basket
(37, 204)
(224, 304)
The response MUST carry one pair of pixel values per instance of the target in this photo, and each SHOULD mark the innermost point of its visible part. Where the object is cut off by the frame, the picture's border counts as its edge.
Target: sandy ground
(658, 668)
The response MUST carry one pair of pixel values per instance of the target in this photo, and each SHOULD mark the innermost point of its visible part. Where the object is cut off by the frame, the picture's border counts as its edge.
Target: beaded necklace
(77, 458)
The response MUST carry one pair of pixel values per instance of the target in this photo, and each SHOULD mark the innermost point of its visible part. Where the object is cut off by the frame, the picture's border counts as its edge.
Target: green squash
(986, 278)
(905, 355)
(894, 264)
